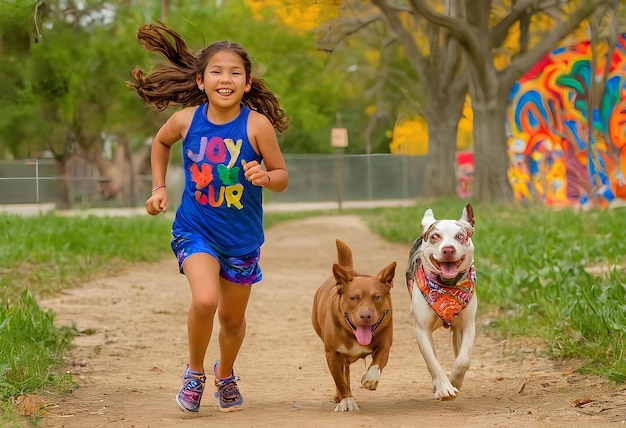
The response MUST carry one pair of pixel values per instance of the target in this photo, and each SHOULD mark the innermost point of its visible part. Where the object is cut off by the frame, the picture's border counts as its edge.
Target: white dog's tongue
(448, 270)
(363, 335)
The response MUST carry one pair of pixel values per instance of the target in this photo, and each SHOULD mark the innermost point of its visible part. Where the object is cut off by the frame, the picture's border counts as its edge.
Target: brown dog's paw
(347, 405)
(371, 377)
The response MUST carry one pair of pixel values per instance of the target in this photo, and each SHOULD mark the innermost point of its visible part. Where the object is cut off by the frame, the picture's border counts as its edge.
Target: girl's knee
(231, 324)
(204, 307)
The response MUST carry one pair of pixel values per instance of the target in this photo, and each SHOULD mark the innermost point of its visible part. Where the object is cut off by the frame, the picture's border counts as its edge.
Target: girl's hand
(157, 203)
(255, 174)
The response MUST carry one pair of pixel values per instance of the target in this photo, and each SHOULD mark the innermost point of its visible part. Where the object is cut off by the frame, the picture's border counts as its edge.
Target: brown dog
(352, 314)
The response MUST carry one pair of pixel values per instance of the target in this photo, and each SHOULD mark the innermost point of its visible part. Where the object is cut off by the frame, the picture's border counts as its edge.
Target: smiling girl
(227, 124)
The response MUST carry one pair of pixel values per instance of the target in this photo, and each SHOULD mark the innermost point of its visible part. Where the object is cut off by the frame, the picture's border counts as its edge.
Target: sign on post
(339, 137)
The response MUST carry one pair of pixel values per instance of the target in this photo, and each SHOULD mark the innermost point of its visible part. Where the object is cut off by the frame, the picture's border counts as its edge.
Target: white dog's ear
(468, 214)
(427, 220)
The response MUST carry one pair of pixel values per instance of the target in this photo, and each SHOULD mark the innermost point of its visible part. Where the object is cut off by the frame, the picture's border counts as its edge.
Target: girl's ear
(248, 85)
(200, 81)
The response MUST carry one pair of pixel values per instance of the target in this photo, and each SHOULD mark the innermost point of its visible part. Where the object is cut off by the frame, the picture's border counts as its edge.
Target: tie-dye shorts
(240, 270)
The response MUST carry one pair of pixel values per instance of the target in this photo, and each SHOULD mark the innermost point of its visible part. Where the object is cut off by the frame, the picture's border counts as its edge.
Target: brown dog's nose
(366, 315)
(448, 250)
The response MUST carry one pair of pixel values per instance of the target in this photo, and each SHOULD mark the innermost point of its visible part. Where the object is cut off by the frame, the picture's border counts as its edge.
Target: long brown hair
(174, 82)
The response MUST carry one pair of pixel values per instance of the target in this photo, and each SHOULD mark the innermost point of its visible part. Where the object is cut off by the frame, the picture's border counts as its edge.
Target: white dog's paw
(444, 390)
(371, 377)
(347, 405)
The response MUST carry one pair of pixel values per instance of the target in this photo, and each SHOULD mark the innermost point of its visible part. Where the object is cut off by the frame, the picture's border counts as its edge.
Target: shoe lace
(220, 383)
(228, 389)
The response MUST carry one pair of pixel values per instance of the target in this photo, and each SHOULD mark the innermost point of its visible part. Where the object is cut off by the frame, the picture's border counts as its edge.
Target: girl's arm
(263, 137)
(172, 131)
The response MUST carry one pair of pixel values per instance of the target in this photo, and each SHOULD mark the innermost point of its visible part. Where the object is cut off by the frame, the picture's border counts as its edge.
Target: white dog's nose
(448, 251)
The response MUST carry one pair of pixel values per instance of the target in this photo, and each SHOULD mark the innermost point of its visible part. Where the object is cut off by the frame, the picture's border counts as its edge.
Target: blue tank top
(218, 204)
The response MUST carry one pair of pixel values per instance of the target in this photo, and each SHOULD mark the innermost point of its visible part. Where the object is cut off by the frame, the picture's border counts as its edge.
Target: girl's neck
(219, 115)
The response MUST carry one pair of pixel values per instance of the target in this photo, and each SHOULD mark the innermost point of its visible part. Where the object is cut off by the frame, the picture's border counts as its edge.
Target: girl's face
(224, 80)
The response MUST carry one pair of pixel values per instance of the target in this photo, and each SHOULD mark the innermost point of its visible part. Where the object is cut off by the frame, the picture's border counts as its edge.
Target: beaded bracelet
(158, 187)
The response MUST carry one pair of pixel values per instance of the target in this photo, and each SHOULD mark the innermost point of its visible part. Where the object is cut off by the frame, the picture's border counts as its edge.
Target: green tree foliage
(66, 92)
(288, 61)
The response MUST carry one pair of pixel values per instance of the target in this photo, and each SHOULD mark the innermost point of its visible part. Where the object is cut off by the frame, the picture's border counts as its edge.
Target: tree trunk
(440, 178)
(491, 158)
(128, 158)
(63, 196)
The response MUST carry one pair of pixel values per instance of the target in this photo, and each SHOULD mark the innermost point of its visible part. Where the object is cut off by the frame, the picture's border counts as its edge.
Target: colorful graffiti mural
(553, 158)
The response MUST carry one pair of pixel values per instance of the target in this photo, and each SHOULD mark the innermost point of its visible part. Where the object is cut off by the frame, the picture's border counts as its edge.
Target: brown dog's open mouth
(448, 269)
(364, 333)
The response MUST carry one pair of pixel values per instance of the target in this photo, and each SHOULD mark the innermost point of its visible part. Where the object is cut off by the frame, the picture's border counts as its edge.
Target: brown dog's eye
(376, 298)
(354, 298)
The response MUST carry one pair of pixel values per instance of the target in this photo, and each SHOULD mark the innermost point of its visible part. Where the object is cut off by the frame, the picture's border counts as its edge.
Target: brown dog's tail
(344, 254)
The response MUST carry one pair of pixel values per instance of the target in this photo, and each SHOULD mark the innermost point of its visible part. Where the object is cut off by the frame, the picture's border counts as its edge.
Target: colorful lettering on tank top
(217, 157)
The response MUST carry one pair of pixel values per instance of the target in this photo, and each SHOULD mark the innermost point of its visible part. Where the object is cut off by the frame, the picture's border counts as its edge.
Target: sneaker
(190, 393)
(230, 398)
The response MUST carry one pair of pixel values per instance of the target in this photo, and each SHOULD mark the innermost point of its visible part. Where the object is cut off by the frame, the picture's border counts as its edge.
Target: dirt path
(129, 370)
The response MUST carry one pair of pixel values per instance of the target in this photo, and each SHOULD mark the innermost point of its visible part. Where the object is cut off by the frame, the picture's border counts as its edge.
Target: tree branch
(501, 29)
(353, 25)
(524, 62)
(413, 54)
(459, 29)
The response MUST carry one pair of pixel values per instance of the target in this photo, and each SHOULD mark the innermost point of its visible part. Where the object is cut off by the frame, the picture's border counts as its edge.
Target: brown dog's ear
(342, 276)
(386, 274)
(344, 254)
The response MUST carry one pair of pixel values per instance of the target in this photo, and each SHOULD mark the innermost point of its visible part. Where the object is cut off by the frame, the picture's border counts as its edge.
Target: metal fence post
(37, 179)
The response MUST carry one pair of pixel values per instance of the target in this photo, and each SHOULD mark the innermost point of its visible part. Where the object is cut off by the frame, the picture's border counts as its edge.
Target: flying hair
(173, 82)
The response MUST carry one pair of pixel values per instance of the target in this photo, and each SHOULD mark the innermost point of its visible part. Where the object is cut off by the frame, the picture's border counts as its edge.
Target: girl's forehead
(225, 58)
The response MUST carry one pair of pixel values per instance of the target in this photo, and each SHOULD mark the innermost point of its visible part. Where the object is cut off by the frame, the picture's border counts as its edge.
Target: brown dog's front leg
(340, 370)
(336, 365)
(370, 379)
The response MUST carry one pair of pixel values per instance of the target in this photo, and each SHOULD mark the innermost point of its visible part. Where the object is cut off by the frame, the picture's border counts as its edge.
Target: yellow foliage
(301, 15)
(372, 56)
(410, 137)
(466, 126)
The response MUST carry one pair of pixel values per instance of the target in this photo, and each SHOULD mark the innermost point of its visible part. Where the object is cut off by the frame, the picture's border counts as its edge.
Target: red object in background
(465, 173)
(464, 158)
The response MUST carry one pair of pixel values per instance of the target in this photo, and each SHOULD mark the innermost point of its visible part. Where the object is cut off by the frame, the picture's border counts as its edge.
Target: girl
(228, 127)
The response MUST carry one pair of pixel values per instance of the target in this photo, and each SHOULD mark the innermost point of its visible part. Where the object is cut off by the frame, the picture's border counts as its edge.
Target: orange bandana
(446, 300)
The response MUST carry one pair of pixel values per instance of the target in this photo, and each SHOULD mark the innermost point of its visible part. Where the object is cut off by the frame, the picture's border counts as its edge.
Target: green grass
(531, 267)
(30, 345)
(40, 256)
(48, 253)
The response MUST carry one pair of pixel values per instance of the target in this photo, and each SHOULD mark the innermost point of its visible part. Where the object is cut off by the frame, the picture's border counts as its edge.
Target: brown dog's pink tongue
(363, 335)
(448, 270)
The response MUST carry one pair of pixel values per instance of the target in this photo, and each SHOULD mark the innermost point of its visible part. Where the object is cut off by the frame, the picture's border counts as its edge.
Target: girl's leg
(202, 272)
(231, 313)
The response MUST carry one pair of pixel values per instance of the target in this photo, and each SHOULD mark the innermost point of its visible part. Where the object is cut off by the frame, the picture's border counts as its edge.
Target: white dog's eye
(435, 237)
(460, 237)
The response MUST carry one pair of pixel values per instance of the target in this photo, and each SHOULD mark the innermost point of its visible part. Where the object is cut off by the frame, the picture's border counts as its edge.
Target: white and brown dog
(352, 314)
(440, 277)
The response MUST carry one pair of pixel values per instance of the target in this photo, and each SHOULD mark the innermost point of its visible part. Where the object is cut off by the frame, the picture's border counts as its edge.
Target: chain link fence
(312, 178)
